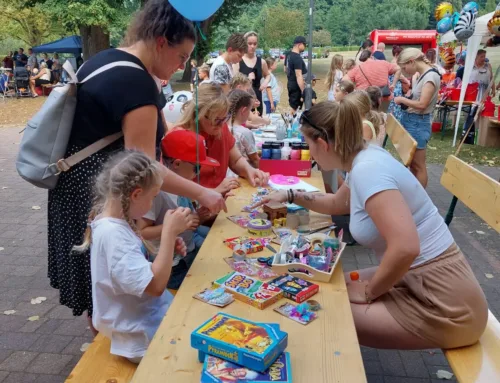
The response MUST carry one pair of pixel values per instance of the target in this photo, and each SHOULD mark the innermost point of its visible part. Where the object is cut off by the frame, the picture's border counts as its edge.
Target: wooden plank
(475, 189)
(404, 143)
(479, 363)
(97, 365)
(325, 351)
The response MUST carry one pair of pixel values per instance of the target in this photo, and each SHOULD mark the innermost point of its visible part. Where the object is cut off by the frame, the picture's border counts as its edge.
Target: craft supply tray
(312, 273)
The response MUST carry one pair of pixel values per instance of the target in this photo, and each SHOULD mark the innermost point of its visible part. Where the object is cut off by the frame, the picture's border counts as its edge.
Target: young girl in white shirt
(335, 75)
(128, 291)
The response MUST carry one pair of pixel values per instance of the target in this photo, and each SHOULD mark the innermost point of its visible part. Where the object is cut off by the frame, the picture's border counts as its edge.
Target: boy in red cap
(183, 152)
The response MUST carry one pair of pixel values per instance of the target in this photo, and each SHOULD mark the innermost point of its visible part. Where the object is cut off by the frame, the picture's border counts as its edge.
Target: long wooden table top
(326, 350)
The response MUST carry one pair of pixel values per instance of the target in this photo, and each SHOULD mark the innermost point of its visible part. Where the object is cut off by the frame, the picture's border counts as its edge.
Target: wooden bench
(480, 362)
(403, 142)
(98, 365)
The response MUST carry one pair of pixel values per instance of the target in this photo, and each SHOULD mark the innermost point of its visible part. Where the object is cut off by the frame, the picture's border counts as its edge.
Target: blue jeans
(419, 126)
(268, 106)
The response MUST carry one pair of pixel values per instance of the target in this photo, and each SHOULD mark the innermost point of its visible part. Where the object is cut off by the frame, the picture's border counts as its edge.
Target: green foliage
(322, 38)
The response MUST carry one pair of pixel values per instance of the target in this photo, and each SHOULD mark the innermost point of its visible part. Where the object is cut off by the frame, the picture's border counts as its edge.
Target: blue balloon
(196, 10)
(454, 19)
(444, 25)
(471, 6)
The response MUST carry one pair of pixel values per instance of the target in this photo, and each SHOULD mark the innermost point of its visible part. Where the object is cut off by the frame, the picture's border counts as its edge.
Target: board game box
(252, 345)
(252, 291)
(216, 370)
(295, 288)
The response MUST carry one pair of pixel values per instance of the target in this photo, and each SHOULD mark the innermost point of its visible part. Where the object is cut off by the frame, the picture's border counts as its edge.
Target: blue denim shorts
(419, 126)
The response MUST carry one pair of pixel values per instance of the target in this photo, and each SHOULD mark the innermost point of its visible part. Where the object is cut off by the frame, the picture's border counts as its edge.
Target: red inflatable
(427, 39)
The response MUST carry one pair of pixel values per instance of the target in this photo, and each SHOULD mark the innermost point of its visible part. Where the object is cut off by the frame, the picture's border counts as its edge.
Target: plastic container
(266, 151)
(285, 152)
(296, 152)
(281, 132)
(276, 151)
(305, 154)
(292, 220)
(289, 131)
(304, 217)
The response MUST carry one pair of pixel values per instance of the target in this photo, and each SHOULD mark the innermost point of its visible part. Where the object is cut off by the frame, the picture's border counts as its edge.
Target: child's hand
(204, 213)
(178, 220)
(196, 221)
(180, 247)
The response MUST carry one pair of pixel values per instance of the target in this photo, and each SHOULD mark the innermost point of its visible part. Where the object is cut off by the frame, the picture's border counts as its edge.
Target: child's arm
(175, 222)
(258, 121)
(270, 97)
(148, 230)
(254, 159)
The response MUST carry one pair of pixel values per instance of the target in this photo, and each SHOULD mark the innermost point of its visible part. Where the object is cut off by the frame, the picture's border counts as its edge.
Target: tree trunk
(200, 51)
(94, 40)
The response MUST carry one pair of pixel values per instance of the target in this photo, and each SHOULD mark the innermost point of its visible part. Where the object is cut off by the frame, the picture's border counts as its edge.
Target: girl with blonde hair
(419, 107)
(334, 76)
(129, 296)
(342, 89)
(371, 119)
(424, 293)
(214, 115)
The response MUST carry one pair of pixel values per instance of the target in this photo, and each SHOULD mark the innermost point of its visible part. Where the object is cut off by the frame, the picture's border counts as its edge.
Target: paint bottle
(266, 151)
(276, 151)
(305, 154)
(285, 152)
(296, 149)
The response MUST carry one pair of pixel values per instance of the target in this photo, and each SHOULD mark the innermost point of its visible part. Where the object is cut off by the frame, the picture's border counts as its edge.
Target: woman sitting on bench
(41, 78)
(424, 293)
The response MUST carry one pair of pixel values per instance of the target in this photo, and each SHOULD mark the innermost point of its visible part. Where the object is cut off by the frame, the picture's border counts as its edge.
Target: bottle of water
(289, 131)
(295, 127)
(281, 132)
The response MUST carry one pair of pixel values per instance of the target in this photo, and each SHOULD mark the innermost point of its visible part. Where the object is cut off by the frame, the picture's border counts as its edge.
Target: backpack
(41, 154)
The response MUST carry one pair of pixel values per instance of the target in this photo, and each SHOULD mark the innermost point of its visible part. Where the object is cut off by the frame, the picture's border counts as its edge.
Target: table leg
(445, 116)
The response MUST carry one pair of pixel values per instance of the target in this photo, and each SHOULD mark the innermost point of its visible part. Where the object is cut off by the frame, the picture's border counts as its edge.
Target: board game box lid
(216, 370)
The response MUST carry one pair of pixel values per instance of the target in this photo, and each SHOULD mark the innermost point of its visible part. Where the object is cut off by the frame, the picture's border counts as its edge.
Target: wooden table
(452, 106)
(326, 350)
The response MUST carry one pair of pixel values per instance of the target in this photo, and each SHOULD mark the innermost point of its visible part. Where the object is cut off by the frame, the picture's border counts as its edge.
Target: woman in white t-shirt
(424, 293)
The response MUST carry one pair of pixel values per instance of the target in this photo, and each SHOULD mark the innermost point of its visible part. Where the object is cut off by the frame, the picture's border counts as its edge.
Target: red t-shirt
(218, 148)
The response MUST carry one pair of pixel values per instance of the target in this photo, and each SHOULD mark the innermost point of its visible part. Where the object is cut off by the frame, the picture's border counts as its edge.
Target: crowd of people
(128, 221)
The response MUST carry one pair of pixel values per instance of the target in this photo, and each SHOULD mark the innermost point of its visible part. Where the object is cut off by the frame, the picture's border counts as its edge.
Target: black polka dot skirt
(68, 210)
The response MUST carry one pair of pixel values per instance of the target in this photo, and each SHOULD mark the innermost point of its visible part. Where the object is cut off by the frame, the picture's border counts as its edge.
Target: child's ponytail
(238, 99)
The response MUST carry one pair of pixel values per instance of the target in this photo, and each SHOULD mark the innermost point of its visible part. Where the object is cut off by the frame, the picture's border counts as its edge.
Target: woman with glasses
(424, 293)
(214, 115)
(124, 99)
(419, 106)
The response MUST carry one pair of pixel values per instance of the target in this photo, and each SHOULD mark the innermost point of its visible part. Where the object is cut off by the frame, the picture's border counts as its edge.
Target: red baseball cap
(182, 145)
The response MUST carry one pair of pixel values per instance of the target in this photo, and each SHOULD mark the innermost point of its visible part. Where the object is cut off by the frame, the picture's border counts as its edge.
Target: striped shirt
(377, 71)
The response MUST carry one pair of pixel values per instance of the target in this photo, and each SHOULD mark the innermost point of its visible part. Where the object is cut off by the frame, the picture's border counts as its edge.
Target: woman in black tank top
(259, 70)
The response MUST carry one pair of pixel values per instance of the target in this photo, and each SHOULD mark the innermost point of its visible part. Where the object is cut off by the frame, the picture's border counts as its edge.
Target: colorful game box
(252, 345)
(216, 370)
(246, 244)
(252, 291)
(294, 288)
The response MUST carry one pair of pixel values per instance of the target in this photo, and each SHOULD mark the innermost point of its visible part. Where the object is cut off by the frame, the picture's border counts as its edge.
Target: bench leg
(449, 215)
(445, 117)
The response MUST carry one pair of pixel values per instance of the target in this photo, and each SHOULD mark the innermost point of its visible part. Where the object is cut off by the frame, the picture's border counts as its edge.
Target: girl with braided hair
(240, 107)
(129, 293)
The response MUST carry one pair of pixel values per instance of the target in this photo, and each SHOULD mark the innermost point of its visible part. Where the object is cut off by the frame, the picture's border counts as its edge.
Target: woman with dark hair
(125, 99)
(365, 46)
(254, 67)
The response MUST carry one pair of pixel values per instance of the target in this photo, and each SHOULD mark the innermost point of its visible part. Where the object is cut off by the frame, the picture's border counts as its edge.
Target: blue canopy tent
(71, 44)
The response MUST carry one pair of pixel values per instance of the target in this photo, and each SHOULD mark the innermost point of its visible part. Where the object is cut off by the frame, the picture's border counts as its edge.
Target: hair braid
(238, 99)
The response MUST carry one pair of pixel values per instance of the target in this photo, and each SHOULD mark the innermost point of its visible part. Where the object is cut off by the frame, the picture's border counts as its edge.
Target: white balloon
(173, 110)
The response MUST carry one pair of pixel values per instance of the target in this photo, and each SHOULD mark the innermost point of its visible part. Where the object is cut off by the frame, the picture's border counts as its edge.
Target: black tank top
(257, 69)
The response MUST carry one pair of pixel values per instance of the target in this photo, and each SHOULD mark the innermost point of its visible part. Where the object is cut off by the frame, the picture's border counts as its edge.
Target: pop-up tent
(71, 44)
(480, 33)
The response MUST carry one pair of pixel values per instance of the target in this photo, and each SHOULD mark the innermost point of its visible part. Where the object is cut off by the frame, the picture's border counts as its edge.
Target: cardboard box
(295, 289)
(286, 167)
(249, 344)
(248, 290)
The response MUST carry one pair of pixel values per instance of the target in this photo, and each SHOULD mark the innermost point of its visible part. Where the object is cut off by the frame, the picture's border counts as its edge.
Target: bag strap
(365, 75)
(65, 164)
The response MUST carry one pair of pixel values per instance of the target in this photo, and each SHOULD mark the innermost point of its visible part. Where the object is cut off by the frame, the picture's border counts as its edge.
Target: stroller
(22, 82)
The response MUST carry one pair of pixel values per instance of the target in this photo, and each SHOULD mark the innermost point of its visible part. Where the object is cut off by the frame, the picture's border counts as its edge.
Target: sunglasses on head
(304, 120)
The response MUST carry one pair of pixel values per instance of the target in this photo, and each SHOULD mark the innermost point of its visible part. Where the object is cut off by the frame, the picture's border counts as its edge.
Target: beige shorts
(440, 301)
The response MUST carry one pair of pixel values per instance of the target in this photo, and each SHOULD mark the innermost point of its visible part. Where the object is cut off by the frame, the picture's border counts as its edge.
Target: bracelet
(288, 196)
(293, 196)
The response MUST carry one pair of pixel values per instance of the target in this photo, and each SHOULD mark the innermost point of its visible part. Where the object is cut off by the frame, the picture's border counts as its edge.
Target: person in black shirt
(296, 69)
(21, 59)
(124, 99)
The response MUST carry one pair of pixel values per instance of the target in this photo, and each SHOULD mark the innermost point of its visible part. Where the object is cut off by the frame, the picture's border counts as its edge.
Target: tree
(490, 6)
(322, 38)
(282, 25)
(30, 24)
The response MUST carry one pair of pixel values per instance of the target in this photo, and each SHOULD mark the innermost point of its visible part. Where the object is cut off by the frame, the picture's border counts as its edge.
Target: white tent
(480, 33)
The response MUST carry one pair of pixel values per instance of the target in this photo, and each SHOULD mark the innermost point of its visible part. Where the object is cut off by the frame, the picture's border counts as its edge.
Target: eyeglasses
(219, 121)
(305, 120)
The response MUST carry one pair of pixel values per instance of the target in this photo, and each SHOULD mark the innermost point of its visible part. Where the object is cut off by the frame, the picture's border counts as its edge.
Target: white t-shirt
(375, 170)
(163, 202)
(275, 90)
(120, 274)
(418, 85)
(245, 141)
(221, 72)
(339, 75)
